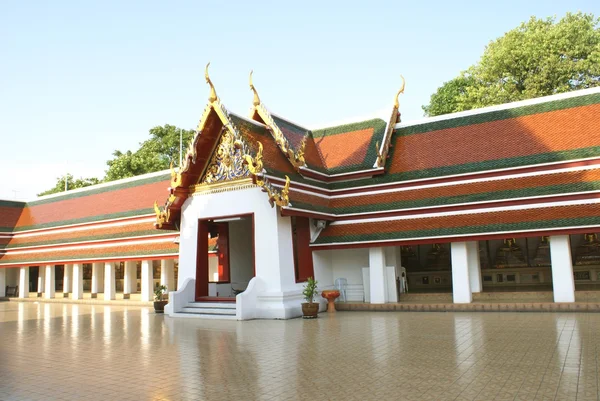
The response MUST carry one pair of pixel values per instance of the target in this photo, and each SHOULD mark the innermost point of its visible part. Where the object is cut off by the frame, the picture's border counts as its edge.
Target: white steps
(209, 310)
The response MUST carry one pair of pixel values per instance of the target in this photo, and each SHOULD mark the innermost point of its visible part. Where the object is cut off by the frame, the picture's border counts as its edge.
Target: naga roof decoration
(296, 157)
(255, 166)
(382, 152)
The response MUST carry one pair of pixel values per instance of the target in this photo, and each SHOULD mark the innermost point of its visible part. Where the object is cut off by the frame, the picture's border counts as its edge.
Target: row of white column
(103, 278)
(466, 271)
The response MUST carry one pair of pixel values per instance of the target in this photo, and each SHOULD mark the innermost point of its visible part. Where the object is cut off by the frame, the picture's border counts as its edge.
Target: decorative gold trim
(383, 151)
(296, 157)
(280, 199)
(175, 177)
(255, 164)
(222, 186)
(162, 216)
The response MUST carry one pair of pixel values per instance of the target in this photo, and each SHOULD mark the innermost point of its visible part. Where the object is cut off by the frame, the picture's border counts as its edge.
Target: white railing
(180, 298)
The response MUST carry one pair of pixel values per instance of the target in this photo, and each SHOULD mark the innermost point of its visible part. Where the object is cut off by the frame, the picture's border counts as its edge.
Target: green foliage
(159, 292)
(540, 57)
(71, 184)
(154, 154)
(310, 290)
(445, 100)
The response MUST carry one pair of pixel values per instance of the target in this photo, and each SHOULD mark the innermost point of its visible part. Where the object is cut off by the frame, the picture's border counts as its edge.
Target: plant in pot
(159, 298)
(310, 309)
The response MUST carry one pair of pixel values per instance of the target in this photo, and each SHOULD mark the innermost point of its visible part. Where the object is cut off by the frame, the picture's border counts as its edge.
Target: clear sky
(79, 79)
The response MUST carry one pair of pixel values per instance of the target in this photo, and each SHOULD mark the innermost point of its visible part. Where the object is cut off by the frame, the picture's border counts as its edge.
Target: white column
(563, 282)
(167, 273)
(40, 285)
(50, 282)
(461, 287)
(2, 282)
(67, 279)
(147, 281)
(130, 277)
(377, 276)
(24, 282)
(109, 280)
(474, 266)
(96, 274)
(78, 281)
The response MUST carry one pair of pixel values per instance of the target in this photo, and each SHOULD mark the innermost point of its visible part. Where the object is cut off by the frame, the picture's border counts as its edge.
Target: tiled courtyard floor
(82, 352)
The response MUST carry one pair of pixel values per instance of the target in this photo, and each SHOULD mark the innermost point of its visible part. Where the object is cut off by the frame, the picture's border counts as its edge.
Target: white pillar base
(77, 281)
(129, 277)
(67, 279)
(378, 290)
(109, 281)
(3, 282)
(40, 283)
(167, 274)
(96, 274)
(24, 282)
(474, 266)
(461, 287)
(563, 282)
(50, 282)
(147, 281)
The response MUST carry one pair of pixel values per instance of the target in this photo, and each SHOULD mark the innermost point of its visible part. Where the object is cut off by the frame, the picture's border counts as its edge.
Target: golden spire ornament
(212, 97)
(256, 100)
(396, 102)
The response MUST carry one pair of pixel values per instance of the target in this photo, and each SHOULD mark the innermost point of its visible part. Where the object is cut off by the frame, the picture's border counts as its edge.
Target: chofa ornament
(383, 151)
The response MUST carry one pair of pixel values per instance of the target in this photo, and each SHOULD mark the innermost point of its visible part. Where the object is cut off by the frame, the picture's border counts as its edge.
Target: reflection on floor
(341, 356)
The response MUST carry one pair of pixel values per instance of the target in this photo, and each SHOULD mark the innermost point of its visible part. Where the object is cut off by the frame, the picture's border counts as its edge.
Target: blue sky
(79, 79)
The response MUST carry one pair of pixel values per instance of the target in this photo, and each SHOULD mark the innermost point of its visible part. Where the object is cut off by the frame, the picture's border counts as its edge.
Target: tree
(540, 57)
(154, 154)
(445, 100)
(71, 184)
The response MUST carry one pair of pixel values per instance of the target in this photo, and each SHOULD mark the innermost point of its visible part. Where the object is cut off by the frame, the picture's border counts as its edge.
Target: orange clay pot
(330, 296)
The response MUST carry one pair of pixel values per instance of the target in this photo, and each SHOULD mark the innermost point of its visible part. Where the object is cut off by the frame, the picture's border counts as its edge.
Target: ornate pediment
(227, 162)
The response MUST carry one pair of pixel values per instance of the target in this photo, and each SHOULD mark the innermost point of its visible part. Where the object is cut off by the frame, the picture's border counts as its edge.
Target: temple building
(498, 199)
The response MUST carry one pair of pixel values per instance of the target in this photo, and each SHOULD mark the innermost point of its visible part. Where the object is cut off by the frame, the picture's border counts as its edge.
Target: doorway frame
(202, 252)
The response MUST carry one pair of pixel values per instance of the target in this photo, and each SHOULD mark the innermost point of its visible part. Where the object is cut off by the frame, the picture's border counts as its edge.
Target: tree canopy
(71, 184)
(538, 58)
(154, 154)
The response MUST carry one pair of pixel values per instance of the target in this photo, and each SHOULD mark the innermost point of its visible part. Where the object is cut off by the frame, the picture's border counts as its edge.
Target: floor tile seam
(522, 382)
(562, 369)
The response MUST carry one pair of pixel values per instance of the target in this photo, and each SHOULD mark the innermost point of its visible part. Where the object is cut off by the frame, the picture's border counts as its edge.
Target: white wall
(323, 269)
(273, 246)
(347, 263)
(241, 254)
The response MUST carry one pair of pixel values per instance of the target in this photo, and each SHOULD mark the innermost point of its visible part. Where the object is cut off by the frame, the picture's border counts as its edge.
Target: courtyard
(55, 351)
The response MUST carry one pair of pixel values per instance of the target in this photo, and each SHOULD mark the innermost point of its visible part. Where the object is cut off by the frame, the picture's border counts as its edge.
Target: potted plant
(159, 298)
(310, 309)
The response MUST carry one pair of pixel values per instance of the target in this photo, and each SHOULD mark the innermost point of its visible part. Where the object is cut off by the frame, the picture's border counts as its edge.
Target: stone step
(213, 305)
(472, 307)
(209, 311)
(204, 316)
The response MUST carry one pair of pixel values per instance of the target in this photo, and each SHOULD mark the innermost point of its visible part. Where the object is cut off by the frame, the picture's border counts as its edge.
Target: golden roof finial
(256, 100)
(213, 93)
(396, 102)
